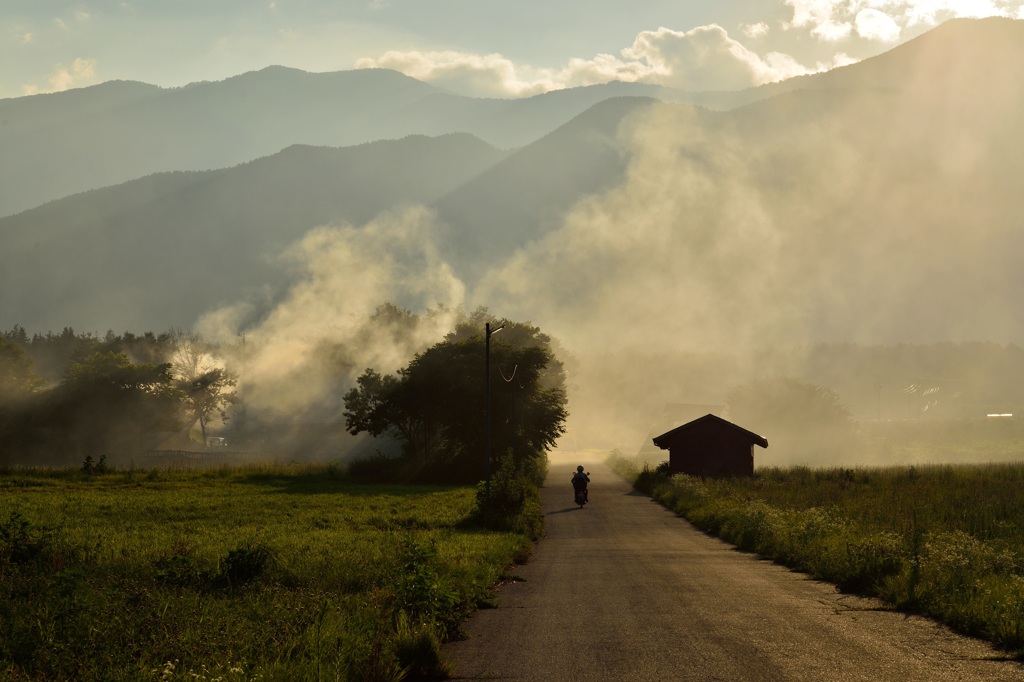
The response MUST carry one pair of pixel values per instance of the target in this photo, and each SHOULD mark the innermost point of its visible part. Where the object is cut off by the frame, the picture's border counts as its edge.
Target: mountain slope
(960, 54)
(68, 142)
(880, 210)
(63, 143)
(525, 196)
(156, 251)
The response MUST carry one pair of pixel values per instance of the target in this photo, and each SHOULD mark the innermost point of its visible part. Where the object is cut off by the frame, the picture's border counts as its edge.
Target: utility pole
(487, 371)
(511, 380)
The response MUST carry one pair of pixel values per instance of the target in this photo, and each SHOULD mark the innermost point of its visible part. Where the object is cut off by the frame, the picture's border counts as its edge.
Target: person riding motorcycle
(580, 481)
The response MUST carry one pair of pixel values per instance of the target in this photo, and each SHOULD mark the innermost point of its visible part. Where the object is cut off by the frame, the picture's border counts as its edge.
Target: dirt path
(624, 590)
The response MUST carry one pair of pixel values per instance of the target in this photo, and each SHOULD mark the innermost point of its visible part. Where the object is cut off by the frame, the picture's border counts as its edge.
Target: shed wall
(712, 451)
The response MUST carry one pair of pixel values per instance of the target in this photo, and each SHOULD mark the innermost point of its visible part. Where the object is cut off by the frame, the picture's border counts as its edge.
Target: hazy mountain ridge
(64, 143)
(156, 251)
(823, 203)
(959, 52)
(89, 143)
(524, 196)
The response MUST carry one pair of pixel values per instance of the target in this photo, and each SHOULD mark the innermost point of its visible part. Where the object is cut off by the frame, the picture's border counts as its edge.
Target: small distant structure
(674, 413)
(710, 446)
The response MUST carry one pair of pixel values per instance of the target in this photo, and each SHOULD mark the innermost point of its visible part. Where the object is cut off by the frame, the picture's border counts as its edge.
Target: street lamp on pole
(487, 371)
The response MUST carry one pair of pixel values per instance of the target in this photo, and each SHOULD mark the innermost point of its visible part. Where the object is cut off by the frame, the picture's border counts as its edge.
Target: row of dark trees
(103, 401)
(68, 396)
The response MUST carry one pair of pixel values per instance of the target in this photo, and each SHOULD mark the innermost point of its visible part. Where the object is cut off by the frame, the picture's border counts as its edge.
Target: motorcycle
(581, 497)
(582, 494)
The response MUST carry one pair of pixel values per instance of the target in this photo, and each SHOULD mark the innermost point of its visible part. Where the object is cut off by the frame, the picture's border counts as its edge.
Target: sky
(471, 47)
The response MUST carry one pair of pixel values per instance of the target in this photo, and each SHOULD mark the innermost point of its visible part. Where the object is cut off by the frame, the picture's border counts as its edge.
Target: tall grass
(944, 541)
(269, 573)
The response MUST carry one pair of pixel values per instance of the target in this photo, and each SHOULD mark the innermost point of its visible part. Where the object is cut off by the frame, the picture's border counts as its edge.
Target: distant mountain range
(899, 172)
(69, 142)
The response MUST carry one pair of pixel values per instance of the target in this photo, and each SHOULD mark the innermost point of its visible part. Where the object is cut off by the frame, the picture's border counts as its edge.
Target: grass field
(942, 540)
(268, 573)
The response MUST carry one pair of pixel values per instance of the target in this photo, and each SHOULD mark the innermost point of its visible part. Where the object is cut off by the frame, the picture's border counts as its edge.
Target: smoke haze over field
(343, 274)
(672, 251)
(869, 215)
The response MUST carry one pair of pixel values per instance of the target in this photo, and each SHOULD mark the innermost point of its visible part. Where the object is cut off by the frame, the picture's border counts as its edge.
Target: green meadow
(946, 541)
(262, 573)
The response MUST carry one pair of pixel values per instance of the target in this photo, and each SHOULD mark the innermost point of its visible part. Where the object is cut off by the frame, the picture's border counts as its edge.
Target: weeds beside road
(269, 573)
(944, 541)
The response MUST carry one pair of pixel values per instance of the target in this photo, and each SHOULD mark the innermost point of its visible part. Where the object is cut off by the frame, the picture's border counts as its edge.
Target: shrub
(178, 568)
(418, 650)
(243, 565)
(20, 541)
(647, 479)
(511, 502)
(871, 560)
(91, 468)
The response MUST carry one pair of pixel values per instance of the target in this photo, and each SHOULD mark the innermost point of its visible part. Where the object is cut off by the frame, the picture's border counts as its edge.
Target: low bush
(20, 541)
(511, 501)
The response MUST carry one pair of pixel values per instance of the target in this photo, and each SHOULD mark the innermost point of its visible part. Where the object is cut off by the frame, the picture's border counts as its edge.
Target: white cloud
(832, 32)
(602, 69)
(875, 25)
(704, 58)
(755, 30)
(883, 20)
(26, 38)
(491, 74)
(821, 17)
(934, 11)
(81, 72)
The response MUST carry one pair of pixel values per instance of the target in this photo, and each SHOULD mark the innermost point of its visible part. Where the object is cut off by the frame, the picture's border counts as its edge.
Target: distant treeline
(906, 381)
(67, 397)
(52, 353)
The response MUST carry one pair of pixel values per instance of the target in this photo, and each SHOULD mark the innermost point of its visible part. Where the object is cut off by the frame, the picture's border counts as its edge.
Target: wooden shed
(710, 446)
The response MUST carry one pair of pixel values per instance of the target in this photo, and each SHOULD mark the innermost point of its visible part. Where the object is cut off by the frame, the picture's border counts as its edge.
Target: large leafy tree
(106, 401)
(18, 379)
(436, 406)
(19, 391)
(205, 387)
(101, 401)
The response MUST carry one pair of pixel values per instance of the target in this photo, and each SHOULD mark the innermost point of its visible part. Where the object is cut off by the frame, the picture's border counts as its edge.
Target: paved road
(624, 590)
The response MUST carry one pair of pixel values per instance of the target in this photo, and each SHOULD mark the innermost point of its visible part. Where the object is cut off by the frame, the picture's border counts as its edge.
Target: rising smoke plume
(873, 213)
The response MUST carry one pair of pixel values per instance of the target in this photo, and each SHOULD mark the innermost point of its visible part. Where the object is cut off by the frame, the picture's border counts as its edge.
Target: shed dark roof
(663, 440)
